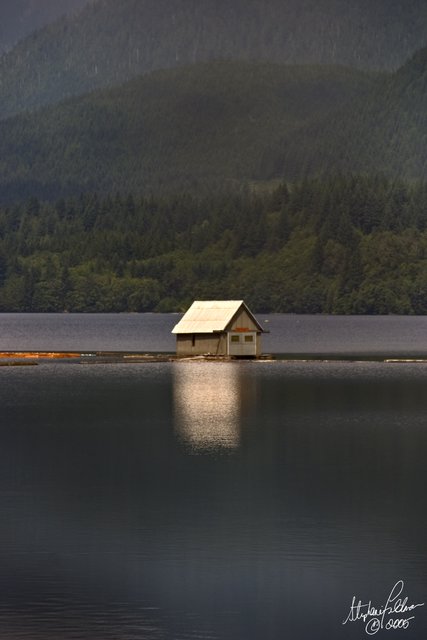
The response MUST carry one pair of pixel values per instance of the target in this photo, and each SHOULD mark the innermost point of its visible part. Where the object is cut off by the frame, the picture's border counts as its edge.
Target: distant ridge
(18, 18)
(199, 126)
(111, 41)
(385, 130)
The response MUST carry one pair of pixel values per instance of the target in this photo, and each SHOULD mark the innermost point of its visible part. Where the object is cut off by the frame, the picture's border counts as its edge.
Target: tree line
(342, 244)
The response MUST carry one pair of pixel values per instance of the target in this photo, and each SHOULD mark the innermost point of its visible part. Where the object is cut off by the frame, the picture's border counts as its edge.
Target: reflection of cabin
(218, 328)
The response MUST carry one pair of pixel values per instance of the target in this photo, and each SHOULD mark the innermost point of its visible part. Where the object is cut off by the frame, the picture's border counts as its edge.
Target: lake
(366, 336)
(212, 500)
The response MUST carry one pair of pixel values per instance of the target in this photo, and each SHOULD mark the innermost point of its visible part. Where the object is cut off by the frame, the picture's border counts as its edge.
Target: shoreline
(28, 358)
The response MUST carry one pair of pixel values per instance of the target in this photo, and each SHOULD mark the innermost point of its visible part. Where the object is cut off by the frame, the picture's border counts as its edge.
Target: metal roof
(208, 316)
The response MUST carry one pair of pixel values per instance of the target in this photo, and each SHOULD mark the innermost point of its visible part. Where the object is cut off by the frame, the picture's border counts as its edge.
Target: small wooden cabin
(218, 328)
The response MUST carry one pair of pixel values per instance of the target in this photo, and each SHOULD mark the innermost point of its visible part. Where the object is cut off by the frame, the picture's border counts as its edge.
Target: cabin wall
(202, 344)
(242, 323)
(244, 344)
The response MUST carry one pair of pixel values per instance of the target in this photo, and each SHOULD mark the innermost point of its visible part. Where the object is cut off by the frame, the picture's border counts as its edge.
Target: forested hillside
(111, 41)
(21, 17)
(200, 144)
(343, 245)
(193, 127)
(385, 130)
(209, 124)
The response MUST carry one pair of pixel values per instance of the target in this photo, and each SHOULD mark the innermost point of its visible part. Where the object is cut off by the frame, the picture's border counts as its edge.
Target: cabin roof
(210, 316)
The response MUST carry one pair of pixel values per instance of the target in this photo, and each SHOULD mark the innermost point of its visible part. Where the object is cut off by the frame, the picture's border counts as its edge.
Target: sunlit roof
(208, 316)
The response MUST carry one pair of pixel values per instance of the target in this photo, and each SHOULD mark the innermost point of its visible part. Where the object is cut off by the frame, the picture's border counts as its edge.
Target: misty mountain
(205, 124)
(18, 18)
(109, 42)
(212, 124)
(383, 131)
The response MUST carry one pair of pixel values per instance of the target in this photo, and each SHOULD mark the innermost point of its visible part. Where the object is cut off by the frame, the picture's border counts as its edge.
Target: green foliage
(314, 246)
(384, 130)
(201, 125)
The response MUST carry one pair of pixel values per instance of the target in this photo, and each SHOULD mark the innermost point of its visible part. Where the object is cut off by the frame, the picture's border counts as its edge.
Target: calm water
(220, 501)
(345, 335)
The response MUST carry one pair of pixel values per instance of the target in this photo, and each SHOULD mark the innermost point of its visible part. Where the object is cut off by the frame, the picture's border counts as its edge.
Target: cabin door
(242, 344)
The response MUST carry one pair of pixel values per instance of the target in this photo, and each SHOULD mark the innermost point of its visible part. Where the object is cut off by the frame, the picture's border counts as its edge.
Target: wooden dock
(21, 358)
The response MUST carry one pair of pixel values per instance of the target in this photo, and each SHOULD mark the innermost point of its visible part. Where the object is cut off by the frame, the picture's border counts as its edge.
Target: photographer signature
(393, 615)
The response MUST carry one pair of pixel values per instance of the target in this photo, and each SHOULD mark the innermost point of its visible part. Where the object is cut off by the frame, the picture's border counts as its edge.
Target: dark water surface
(211, 500)
(289, 334)
(236, 501)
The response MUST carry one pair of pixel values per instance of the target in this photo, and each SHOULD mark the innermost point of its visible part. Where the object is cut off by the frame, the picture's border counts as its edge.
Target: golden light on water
(207, 407)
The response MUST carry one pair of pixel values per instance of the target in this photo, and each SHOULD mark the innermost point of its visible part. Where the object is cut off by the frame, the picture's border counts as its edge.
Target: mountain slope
(206, 124)
(386, 130)
(211, 123)
(21, 17)
(109, 41)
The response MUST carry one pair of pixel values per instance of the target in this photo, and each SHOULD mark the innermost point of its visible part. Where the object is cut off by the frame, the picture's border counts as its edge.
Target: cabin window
(249, 338)
(193, 340)
(235, 338)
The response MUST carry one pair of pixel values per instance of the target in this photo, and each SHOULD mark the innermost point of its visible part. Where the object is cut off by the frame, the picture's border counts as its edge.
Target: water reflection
(207, 404)
(108, 531)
